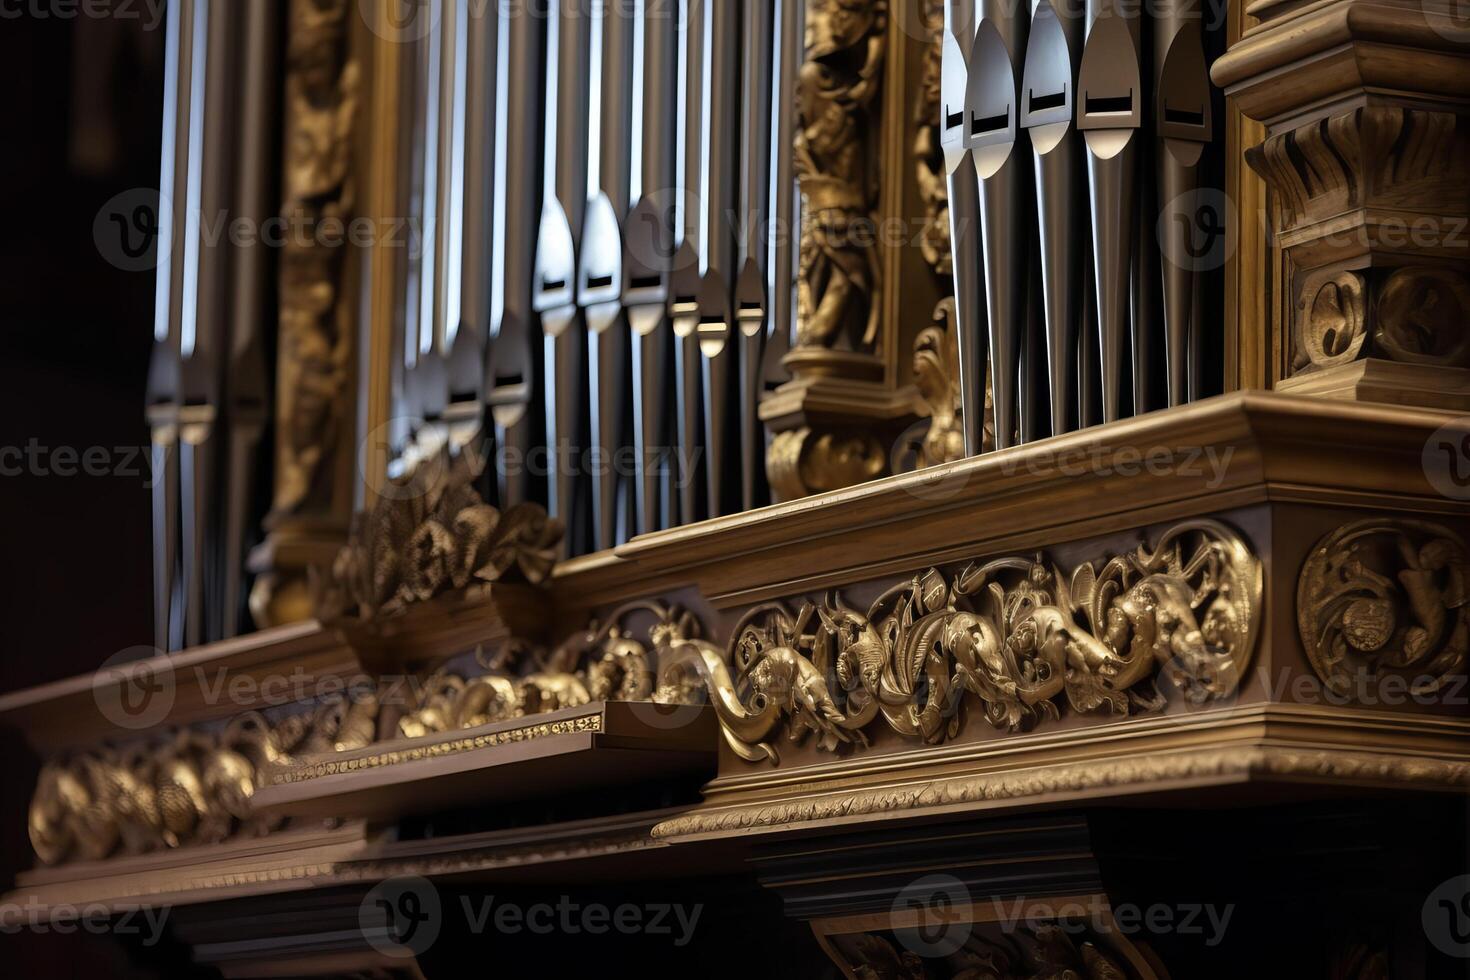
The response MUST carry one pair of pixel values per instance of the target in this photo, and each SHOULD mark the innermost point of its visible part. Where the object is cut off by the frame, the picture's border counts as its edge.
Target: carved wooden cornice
(1208, 457)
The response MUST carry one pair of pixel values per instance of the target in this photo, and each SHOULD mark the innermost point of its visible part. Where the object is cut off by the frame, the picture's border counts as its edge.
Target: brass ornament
(835, 158)
(430, 532)
(193, 789)
(1386, 594)
(1016, 633)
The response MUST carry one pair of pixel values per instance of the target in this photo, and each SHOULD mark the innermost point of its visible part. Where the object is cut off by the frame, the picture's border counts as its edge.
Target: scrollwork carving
(195, 788)
(606, 662)
(801, 462)
(1018, 634)
(1386, 594)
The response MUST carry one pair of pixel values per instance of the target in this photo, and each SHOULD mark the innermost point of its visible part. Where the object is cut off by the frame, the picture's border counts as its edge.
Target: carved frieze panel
(1386, 595)
(195, 787)
(1015, 640)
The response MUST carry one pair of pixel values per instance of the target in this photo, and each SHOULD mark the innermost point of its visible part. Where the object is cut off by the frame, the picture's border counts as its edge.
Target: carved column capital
(1367, 109)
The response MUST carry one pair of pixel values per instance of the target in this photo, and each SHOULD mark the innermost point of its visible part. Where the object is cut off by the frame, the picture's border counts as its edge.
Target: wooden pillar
(1366, 109)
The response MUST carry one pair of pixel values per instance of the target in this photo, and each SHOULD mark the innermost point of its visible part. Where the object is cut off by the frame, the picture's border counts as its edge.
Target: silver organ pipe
(468, 96)
(964, 218)
(600, 284)
(754, 287)
(564, 196)
(1183, 123)
(1048, 106)
(993, 139)
(717, 200)
(163, 367)
(513, 363)
(685, 279)
(648, 236)
(1109, 116)
(788, 29)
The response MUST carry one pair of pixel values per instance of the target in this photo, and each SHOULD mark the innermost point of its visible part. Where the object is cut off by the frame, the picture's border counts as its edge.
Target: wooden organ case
(949, 488)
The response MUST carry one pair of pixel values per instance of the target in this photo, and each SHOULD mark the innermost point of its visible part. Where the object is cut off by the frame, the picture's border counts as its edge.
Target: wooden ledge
(1230, 451)
(207, 683)
(1289, 748)
(299, 662)
(559, 752)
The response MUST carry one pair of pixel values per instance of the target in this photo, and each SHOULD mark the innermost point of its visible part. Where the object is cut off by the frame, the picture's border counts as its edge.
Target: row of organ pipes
(608, 217)
(608, 265)
(1074, 158)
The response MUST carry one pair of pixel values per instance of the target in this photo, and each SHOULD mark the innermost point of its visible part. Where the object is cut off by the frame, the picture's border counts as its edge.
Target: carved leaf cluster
(431, 532)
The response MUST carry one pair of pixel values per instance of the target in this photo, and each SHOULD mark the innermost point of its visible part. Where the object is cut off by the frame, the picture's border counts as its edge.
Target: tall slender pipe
(563, 200)
(718, 196)
(964, 218)
(686, 279)
(1048, 106)
(1109, 115)
(753, 288)
(512, 359)
(1006, 210)
(600, 285)
(1184, 128)
(648, 241)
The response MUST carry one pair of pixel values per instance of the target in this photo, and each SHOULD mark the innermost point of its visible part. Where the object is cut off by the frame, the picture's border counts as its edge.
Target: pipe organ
(903, 457)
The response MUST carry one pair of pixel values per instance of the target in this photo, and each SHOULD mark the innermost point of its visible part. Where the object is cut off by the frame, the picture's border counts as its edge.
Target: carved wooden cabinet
(880, 488)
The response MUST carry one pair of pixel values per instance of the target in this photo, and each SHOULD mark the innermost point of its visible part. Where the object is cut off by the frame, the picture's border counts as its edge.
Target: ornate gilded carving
(1045, 952)
(835, 154)
(430, 532)
(1384, 594)
(801, 462)
(1017, 633)
(605, 662)
(195, 788)
(321, 105)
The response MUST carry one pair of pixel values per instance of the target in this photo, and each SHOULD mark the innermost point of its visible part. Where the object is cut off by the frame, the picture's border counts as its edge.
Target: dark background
(82, 123)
